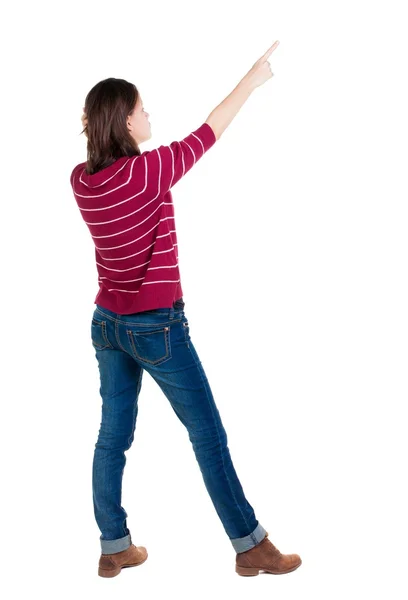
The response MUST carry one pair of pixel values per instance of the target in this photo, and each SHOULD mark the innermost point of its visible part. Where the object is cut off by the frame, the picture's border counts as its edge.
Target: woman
(139, 321)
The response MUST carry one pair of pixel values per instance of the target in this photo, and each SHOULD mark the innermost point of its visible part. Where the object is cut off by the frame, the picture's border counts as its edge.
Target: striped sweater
(129, 211)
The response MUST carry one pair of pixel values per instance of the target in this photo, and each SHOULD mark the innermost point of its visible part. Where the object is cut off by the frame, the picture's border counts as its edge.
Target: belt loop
(171, 313)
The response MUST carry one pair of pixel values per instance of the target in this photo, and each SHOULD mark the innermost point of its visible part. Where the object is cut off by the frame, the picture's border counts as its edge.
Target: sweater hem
(147, 298)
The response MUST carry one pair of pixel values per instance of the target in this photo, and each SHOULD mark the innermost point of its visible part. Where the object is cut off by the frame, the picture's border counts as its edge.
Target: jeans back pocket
(150, 345)
(99, 335)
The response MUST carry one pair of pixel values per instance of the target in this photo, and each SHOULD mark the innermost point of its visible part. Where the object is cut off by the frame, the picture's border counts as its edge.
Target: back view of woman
(139, 323)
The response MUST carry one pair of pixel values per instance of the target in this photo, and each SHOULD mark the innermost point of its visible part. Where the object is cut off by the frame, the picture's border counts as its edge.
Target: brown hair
(107, 106)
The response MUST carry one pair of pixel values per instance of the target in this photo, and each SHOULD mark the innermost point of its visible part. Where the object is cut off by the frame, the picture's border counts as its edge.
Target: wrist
(246, 84)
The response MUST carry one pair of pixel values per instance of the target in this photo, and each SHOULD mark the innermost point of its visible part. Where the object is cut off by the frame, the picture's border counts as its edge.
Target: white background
(292, 236)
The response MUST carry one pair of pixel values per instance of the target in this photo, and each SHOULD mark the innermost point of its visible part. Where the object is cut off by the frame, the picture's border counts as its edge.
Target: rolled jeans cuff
(114, 546)
(249, 541)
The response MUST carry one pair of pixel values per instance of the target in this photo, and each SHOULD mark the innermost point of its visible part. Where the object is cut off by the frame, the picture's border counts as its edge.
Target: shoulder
(76, 170)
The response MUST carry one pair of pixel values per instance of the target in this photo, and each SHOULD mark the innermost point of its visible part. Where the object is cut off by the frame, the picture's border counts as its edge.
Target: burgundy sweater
(129, 211)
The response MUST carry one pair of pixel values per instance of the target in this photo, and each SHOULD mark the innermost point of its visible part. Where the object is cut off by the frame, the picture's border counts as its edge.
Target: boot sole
(252, 571)
(114, 572)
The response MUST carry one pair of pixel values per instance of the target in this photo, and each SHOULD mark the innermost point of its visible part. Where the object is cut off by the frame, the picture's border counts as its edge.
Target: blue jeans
(159, 342)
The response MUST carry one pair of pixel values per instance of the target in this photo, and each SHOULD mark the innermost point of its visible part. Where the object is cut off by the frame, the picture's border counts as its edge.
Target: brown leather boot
(111, 564)
(265, 557)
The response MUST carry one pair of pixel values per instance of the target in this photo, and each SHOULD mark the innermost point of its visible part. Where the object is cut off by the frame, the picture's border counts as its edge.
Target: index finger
(271, 49)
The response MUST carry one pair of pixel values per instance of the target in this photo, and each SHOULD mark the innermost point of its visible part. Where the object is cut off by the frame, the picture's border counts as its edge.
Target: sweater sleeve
(166, 165)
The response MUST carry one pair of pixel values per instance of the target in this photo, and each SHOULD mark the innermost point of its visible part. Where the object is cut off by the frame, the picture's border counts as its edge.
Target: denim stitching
(139, 383)
(167, 355)
(104, 335)
(219, 439)
(117, 336)
(139, 324)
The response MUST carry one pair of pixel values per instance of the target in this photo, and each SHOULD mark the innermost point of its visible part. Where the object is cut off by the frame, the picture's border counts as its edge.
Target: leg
(184, 382)
(121, 380)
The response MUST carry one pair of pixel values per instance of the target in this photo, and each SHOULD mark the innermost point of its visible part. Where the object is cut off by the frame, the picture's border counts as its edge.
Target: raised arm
(224, 113)
(166, 165)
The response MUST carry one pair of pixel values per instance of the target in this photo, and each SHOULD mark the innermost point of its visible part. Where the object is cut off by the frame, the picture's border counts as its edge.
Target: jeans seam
(117, 336)
(222, 455)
